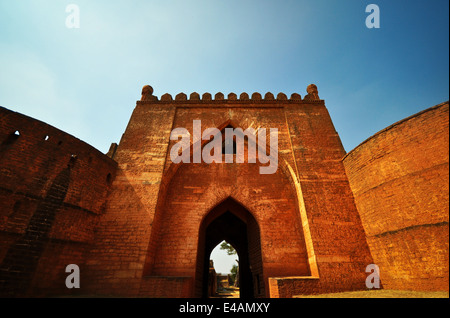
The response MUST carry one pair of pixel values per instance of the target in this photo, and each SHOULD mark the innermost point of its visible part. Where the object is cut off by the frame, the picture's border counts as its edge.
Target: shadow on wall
(53, 188)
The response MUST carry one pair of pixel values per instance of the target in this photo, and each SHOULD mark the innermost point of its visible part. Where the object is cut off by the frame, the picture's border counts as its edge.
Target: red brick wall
(116, 261)
(138, 233)
(340, 248)
(400, 180)
(50, 202)
(197, 188)
(166, 287)
(305, 212)
(147, 232)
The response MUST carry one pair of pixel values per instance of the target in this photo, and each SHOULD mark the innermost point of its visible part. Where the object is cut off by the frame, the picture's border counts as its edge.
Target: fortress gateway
(138, 224)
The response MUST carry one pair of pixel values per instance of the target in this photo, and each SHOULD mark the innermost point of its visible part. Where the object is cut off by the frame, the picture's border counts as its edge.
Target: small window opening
(108, 178)
(73, 159)
(16, 207)
(228, 142)
(224, 147)
(11, 138)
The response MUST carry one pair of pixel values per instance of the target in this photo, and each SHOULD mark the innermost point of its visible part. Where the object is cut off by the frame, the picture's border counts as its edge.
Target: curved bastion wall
(53, 189)
(400, 181)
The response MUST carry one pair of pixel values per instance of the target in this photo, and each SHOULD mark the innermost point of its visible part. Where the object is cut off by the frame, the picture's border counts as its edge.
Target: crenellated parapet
(312, 96)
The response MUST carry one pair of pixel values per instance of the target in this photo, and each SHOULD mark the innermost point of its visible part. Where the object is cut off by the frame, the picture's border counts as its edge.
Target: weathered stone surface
(400, 180)
(313, 93)
(147, 94)
(140, 225)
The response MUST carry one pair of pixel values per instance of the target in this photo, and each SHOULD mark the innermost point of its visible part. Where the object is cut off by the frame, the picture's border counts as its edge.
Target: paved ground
(228, 292)
(381, 293)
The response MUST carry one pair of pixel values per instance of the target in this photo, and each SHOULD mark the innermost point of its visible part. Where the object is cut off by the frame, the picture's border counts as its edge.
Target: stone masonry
(138, 224)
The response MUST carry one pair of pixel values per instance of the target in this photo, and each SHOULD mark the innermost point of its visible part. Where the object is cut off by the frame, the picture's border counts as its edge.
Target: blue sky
(85, 81)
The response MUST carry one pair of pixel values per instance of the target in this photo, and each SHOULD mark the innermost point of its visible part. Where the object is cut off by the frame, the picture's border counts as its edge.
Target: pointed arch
(224, 190)
(171, 167)
(231, 221)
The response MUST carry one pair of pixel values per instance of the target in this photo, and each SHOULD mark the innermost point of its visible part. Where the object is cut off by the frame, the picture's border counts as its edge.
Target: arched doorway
(231, 222)
(223, 281)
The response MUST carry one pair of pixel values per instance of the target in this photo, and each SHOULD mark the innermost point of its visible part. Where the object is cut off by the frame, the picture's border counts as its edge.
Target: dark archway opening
(231, 222)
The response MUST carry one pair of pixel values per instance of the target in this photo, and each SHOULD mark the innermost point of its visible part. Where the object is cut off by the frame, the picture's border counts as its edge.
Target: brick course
(305, 211)
(400, 179)
(53, 188)
(136, 223)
